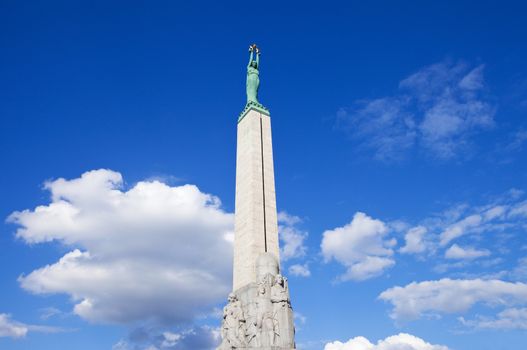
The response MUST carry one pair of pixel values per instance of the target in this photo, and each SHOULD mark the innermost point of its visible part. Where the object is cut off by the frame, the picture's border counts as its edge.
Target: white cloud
(300, 270)
(414, 239)
(457, 252)
(460, 228)
(511, 318)
(520, 271)
(291, 236)
(152, 252)
(519, 209)
(447, 296)
(382, 125)
(15, 329)
(49, 312)
(10, 328)
(439, 107)
(360, 246)
(484, 219)
(299, 318)
(402, 341)
(517, 141)
(473, 80)
(491, 225)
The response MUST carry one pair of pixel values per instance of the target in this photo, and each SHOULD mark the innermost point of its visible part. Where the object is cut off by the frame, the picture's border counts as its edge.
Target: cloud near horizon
(448, 296)
(401, 341)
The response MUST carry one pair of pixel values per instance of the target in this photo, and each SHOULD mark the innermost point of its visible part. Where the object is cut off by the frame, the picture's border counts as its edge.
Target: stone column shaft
(256, 227)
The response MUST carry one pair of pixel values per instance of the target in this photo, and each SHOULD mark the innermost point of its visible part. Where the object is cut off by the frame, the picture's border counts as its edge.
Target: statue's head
(232, 297)
(280, 279)
(253, 64)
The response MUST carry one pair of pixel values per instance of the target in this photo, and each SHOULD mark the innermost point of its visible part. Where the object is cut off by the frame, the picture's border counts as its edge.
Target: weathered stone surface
(259, 315)
(255, 223)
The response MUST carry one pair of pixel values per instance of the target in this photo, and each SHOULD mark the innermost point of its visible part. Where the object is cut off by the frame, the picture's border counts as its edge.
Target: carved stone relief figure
(259, 316)
(280, 293)
(267, 324)
(233, 328)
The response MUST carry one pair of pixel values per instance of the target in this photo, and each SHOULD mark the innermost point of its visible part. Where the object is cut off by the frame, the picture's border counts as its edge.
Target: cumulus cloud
(457, 252)
(447, 296)
(151, 252)
(300, 270)
(479, 232)
(11, 328)
(402, 341)
(439, 108)
(414, 240)
(291, 236)
(361, 246)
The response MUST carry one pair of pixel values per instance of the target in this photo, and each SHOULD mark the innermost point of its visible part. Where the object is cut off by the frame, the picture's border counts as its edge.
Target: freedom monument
(258, 314)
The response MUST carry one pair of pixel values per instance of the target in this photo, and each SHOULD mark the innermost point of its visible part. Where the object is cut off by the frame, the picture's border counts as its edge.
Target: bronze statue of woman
(253, 81)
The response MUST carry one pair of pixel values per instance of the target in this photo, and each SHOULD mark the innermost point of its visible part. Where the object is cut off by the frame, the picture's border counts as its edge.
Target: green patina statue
(253, 80)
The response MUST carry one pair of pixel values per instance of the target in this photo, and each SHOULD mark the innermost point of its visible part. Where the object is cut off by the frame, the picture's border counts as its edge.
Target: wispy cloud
(461, 253)
(511, 318)
(291, 236)
(300, 270)
(437, 109)
(439, 231)
(11, 328)
(14, 329)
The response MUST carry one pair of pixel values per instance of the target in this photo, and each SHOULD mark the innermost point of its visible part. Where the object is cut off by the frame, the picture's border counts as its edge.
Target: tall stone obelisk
(258, 314)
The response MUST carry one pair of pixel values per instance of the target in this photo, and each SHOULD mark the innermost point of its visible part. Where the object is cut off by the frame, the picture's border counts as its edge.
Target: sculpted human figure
(233, 328)
(280, 293)
(252, 333)
(253, 79)
(267, 324)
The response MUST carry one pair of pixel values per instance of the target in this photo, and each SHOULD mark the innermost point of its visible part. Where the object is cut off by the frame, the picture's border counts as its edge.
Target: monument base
(259, 315)
(267, 348)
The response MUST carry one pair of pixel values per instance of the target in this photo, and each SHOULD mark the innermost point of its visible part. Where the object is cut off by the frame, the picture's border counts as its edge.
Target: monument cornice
(253, 106)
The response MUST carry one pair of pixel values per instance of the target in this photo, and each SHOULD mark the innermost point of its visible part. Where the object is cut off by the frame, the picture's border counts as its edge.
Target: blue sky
(399, 137)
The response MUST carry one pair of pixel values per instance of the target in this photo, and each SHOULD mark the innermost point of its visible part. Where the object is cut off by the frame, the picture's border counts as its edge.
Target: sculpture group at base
(259, 315)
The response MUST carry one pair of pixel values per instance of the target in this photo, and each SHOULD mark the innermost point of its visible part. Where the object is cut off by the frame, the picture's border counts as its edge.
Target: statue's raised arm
(251, 55)
(253, 80)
